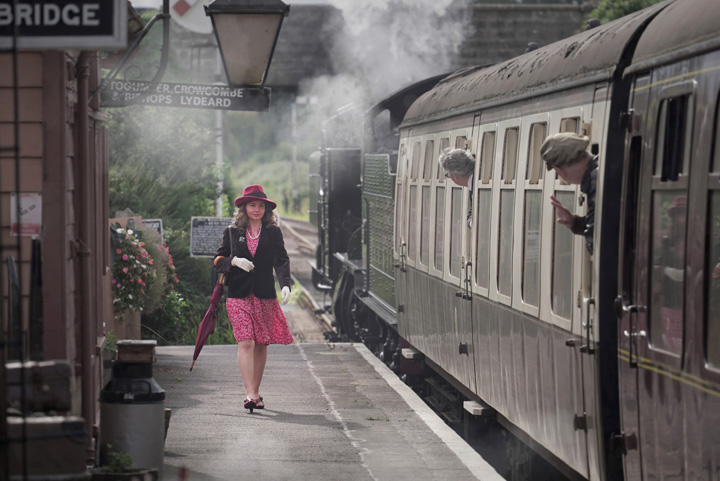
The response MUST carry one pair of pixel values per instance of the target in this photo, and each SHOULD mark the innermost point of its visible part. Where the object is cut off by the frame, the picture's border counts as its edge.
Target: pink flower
(118, 251)
(125, 257)
(125, 269)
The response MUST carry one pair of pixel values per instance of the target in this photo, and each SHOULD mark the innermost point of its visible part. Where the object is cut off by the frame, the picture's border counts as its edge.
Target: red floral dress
(260, 319)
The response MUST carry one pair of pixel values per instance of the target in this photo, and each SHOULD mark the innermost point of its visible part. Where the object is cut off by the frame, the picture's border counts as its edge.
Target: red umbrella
(207, 325)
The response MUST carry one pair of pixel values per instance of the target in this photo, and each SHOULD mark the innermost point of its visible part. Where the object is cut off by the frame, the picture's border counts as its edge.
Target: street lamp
(246, 33)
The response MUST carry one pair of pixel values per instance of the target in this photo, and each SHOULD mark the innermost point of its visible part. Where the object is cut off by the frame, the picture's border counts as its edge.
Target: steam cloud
(387, 45)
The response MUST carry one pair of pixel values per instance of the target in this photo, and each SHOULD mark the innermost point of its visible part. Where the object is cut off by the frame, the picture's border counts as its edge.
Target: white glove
(243, 264)
(285, 295)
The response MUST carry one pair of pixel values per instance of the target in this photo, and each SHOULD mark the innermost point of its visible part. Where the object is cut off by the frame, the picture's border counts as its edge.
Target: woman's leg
(246, 362)
(259, 360)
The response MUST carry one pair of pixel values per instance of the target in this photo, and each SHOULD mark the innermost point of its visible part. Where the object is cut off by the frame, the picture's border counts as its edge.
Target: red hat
(254, 192)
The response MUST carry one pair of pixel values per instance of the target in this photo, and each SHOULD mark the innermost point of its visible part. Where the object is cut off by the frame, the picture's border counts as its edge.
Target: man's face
(560, 171)
(572, 173)
(461, 181)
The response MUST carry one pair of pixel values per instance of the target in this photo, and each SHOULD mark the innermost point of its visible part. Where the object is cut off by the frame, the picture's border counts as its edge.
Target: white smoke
(384, 46)
(389, 44)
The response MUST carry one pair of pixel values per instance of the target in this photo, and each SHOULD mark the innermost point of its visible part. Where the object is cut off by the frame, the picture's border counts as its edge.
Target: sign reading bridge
(121, 93)
(63, 24)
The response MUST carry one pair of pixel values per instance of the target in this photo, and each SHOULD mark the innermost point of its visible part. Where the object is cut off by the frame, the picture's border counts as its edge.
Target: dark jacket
(585, 225)
(270, 253)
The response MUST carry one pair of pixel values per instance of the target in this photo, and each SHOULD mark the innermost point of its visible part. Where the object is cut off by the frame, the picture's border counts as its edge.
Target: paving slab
(333, 412)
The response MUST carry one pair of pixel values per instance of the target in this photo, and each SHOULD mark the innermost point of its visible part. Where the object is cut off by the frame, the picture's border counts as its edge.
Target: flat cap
(563, 149)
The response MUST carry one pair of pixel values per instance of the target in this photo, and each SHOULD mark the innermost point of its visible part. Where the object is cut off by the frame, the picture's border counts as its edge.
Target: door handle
(401, 264)
(632, 334)
(468, 281)
(587, 348)
(635, 334)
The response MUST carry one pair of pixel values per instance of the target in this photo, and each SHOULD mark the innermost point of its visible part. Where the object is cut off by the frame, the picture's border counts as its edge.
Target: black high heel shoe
(249, 404)
(259, 404)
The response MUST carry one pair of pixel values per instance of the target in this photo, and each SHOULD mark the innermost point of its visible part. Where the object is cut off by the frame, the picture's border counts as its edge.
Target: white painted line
(336, 414)
(469, 457)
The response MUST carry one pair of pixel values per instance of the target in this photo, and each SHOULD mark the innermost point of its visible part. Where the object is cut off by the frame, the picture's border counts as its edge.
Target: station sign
(29, 222)
(123, 93)
(64, 24)
(206, 235)
(156, 225)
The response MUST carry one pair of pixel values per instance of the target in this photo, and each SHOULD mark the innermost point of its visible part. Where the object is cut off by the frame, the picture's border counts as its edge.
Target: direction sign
(64, 24)
(206, 235)
(121, 93)
(156, 225)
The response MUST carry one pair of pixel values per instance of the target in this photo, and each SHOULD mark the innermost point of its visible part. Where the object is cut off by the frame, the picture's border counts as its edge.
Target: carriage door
(460, 235)
(628, 269)
(653, 289)
(400, 244)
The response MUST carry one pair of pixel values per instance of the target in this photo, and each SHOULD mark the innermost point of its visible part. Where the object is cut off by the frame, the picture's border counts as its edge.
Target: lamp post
(246, 33)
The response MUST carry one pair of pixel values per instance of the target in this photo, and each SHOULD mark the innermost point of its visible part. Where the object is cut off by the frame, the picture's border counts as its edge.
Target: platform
(334, 412)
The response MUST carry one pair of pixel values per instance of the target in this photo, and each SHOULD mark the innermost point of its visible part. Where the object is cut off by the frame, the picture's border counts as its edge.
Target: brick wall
(503, 31)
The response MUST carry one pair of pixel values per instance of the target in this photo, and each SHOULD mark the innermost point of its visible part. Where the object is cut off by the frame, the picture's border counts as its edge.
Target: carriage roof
(587, 57)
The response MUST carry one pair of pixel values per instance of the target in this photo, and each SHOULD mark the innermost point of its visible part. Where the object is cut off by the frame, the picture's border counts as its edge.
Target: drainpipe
(84, 204)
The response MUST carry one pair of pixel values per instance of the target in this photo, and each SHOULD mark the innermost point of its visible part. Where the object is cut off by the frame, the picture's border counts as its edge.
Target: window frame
(437, 180)
(499, 184)
(656, 184)
(552, 184)
(479, 186)
(524, 185)
(415, 163)
(449, 184)
(713, 186)
(426, 180)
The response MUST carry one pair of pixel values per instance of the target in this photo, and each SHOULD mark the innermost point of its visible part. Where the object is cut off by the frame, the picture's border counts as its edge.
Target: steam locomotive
(607, 364)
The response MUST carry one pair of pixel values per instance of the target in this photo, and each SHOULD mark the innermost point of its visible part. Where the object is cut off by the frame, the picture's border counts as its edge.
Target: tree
(162, 165)
(608, 10)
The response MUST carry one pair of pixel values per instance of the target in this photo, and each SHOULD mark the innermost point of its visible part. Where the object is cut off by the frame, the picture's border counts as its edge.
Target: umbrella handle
(193, 363)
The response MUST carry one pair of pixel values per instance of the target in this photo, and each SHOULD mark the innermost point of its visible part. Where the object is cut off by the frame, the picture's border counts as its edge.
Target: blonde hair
(242, 220)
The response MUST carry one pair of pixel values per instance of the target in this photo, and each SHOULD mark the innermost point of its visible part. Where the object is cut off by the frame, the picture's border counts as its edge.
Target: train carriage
(512, 307)
(670, 249)
(607, 363)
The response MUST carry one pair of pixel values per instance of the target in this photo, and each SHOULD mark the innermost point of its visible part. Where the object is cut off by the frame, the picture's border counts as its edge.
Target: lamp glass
(246, 43)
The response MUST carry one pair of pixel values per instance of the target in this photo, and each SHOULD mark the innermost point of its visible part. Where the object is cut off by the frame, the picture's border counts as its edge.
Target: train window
(487, 156)
(531, 247)
(673, 128)
(713, 278)
(429, 156)
(412, 222)
(402, 165)
(504, 267)
(457, 230)
(482, 263)
(444, 144)
(712, 336)
(400, 235)
(439, 227)
(569, 125)
(562, 261)
(667, 276)
(415, 163)
(461, 142)
(425, 225)
(535, 169)
(510, 155)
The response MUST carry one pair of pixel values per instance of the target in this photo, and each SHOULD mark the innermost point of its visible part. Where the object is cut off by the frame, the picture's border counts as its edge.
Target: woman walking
(251, 247)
